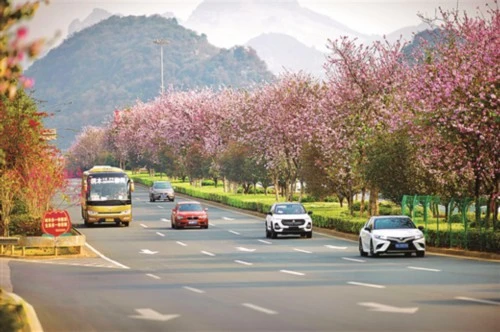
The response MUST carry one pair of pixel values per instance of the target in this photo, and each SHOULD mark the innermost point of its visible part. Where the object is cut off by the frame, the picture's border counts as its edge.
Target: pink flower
(22, 32)
(27, 82)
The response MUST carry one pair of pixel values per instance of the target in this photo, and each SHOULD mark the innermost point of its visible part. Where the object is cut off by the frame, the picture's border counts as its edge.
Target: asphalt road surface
(229, 277)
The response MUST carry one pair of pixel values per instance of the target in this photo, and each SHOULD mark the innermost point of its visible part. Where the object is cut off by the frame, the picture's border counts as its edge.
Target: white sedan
(391, 235)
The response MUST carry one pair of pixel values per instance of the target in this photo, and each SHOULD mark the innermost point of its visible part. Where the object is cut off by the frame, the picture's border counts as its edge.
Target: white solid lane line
(106, 258)
(365, 285)
(423, 269)
(463, 298)
(153, 276)
(207, 253)
(260, 309)
(196, 290)
(293, 272)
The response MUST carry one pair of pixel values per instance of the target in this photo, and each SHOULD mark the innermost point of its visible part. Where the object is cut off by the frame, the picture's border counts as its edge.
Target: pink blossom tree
(455, 99)
(364, 98)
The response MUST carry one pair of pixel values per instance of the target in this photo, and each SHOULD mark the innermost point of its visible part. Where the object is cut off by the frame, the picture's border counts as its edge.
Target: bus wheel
(126, 224)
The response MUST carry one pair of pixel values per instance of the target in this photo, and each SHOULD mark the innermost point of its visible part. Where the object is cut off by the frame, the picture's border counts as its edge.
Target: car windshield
(190, 207)
(393, 223)
(162, 185)
(289, 209)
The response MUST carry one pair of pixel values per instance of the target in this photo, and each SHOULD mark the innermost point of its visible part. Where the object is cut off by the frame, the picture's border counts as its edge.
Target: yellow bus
(106, 196)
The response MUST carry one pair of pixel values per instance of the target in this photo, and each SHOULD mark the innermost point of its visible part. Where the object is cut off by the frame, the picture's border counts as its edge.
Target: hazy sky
(366, 16)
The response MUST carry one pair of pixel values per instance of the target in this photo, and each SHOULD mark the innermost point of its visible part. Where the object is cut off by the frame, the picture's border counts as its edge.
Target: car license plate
(163, 196)
(401, 245)
(193, 222)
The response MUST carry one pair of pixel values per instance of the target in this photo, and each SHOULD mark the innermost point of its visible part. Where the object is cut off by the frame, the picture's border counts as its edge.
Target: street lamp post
(161, 42)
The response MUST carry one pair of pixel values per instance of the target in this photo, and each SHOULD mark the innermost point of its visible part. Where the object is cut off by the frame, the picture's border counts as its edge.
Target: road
(229, 277)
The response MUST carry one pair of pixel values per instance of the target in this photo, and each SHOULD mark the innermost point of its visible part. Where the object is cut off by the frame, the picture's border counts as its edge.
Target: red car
(189, 214)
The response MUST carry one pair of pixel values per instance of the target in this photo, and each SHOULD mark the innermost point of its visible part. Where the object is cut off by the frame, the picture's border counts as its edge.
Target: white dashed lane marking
(365, 285)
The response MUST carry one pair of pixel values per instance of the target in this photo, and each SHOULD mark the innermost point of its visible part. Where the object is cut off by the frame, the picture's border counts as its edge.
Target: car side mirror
(368, 229)
(269, 213)
(309, 213)
(421, 228)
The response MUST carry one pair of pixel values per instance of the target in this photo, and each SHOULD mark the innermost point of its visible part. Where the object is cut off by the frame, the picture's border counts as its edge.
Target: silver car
(161, 191)
(391, 235)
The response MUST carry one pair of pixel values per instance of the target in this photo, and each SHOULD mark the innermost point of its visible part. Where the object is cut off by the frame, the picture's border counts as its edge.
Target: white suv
(288, 218)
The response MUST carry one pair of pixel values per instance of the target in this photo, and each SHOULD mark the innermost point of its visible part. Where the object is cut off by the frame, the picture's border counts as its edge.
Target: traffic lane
(74, 298)
(198, 239)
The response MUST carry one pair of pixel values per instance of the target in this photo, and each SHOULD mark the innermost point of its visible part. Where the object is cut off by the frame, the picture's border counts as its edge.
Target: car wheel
(420, 253)
(274, 235)
(372, 251)
(152, 199)
(268, 233)
(361, 251)
(309, 235)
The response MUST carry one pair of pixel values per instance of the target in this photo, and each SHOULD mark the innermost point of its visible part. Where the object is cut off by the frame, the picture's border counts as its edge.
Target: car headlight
(381, 237)
(419, 236)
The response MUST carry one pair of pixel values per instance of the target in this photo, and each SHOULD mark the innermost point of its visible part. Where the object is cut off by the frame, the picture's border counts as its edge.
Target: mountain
(284, 53)
(407, 33)
(112, 64)
(95, 17)
(228, 23)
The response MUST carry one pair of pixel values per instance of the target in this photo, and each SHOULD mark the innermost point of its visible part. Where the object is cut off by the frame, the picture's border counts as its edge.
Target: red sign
(56, 222)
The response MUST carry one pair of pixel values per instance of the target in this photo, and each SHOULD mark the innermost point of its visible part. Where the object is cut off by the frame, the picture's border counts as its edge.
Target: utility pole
(161, 42)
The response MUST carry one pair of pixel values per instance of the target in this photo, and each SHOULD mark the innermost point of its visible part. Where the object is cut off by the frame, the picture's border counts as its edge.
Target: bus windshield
(108, 188)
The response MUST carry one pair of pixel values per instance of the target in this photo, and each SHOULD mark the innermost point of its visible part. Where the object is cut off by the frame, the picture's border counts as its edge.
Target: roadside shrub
(10, 315)
(24, 224)
(331, 199)
(208, 183)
